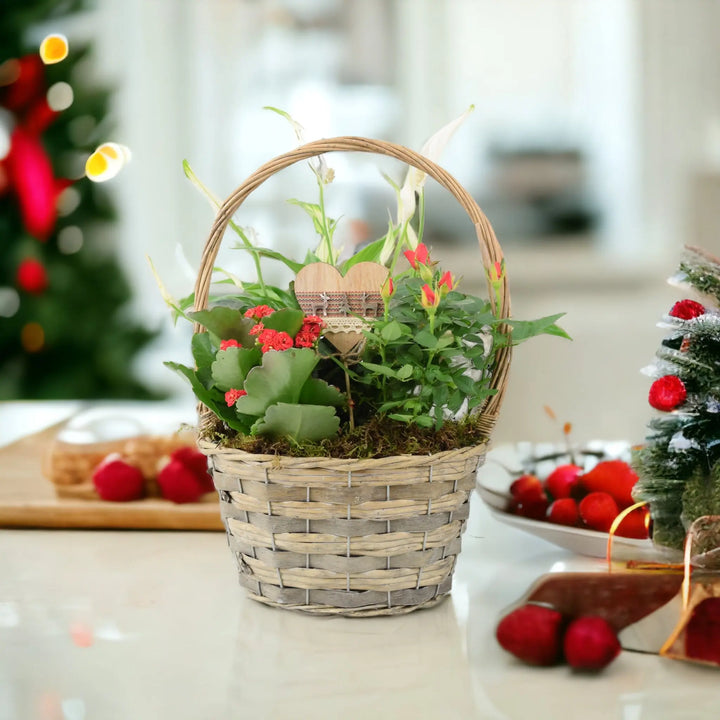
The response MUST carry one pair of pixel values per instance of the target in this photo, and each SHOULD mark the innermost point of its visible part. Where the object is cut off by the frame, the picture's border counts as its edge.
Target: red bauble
(32, 277)
(667, 392)
(687, 309)
(590, 643)
(31, 175)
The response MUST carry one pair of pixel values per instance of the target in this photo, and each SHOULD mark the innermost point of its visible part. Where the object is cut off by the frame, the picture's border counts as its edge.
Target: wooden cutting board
(28, 500)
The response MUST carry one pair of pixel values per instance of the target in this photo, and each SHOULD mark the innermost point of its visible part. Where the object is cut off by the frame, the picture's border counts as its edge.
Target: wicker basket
(340, 536)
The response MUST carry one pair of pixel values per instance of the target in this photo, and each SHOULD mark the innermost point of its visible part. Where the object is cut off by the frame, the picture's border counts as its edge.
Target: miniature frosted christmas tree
(679, 466)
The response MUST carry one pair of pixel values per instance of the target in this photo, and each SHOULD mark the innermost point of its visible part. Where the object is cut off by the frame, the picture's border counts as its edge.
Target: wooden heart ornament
(342, 301)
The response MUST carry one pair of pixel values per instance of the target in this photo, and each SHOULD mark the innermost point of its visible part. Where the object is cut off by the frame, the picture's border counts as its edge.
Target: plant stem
(349, 401)
(326, 231)
(421, 215)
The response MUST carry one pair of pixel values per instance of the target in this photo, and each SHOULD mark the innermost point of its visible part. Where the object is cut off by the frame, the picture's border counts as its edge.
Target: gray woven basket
(342, 536)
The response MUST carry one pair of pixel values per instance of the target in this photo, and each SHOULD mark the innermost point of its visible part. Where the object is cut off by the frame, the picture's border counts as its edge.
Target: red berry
(179, 483)
(534, 508)
(526, 486)
(598, 510)
(614, 477)
(197, 462)
(590, 643)
(32, 276)
(687, 309)
(532, 633)
(117, 481)
(634, 524)
(563, 511)
(667, 392)
(561, 481)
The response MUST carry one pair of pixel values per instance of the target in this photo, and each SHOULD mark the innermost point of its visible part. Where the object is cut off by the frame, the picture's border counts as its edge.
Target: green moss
(379, 437)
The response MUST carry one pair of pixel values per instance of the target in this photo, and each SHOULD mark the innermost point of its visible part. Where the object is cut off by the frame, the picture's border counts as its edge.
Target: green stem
(327, 239)
(421, 215)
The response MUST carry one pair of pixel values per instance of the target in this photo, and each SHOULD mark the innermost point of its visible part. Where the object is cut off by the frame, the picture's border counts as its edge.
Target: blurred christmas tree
(64, 327)
(679, 466)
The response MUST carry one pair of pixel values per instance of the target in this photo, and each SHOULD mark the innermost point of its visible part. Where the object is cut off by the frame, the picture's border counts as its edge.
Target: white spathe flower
(415, 179)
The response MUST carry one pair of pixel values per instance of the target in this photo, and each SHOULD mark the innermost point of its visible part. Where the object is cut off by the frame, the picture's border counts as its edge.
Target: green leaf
(401, 417)
(204, 355)
(280, 378)
(226, 324)
(525, 329)
(318, 392)
(405, 372)
(315, 212)
(231, 366)
(426, 339)
(379, 369)
(274, 255)
(209, 398)
(370, 253)
(286, 320)
(299, 422)
(392, 331)
(424, 421)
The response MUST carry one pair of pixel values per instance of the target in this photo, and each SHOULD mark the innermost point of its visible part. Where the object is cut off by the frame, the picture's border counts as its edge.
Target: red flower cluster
(310, 331)
(274, 340)
(687, 309)
(233, 395)
(667, 392)
(259, 311)
(225, 344)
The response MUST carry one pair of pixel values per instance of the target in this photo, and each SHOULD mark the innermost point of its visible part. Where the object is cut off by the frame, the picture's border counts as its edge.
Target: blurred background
(594, 149)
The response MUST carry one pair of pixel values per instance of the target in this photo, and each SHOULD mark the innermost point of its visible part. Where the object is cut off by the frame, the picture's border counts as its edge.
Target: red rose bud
(388, 288)
(667, 392)
(428, 298)
(418, 256)
(497, 271)
(687, 310)
(447, 283)
(32, 277)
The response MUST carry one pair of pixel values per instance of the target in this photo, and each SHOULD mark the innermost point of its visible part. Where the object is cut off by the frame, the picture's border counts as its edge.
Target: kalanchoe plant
(424, 359)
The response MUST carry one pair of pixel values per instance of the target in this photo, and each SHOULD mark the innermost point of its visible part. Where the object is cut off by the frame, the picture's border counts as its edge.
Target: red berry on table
(197, 462)
(532, 633)
(598, 510)
(561, 481)
(179, 483)
(526, 486)
(634, 524)
(118, 481)
(590, 643)
(564, 511)
(534, 508)
(614, 477)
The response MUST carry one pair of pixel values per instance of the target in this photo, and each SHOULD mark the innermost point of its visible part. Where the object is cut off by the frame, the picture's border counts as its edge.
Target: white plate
(504, 463)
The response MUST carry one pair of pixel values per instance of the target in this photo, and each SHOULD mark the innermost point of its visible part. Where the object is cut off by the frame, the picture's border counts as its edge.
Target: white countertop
(153, 625)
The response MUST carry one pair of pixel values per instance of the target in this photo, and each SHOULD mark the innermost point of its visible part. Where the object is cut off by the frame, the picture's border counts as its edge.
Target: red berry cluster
(540, 635)
(591, 500)
(182, 478)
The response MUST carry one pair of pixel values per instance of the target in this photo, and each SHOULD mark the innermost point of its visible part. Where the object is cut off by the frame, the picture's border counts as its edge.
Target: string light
(60, 96)
(54, 49)
(32, 337)
(106, 162)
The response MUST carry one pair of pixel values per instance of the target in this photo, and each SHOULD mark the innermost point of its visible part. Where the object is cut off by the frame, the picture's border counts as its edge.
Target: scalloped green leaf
(280, 378)
(231, 366)
(226, 324)
(286, 320)
(318, 392)
(203, 354)
(210, 398)
(299, 422)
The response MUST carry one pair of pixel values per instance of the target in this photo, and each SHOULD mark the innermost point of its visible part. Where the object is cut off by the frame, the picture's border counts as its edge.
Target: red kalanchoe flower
(304, 339)
(687, 309)
(313, 320)
(312, 326)
(282, 341)
(233, 395)
(667, 392)
(32, 277)
(225, 344)
(259, 311)
(429, 298)
(419, 255)
(257, 329)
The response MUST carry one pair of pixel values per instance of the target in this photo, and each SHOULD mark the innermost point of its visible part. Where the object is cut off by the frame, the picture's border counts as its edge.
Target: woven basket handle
(489, 246)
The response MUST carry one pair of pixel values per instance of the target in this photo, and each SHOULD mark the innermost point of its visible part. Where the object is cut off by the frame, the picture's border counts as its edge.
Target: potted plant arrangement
(346, 415)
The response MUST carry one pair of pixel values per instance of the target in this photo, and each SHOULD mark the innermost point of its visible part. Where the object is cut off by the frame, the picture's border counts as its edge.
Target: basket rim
(469, 451)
